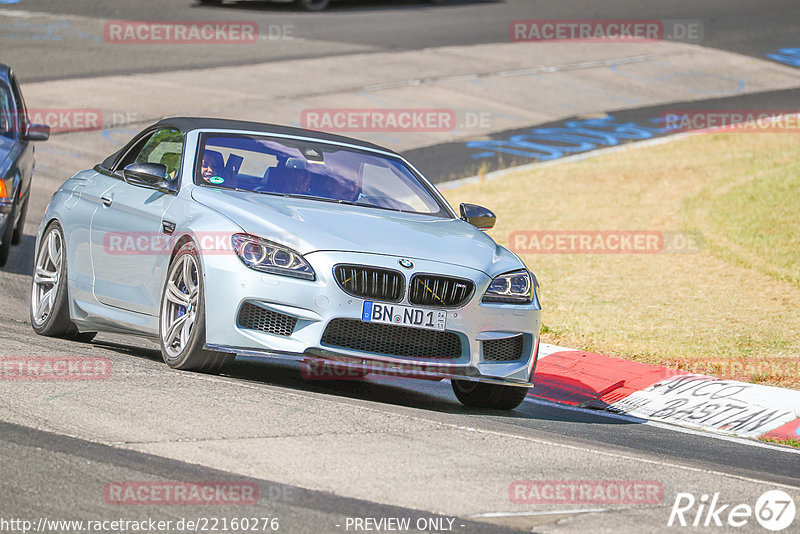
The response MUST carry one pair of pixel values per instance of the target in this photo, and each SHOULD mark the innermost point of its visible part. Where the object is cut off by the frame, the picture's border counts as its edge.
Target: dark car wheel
(313, 5)
(7, 236)
(49, 310)
(18, 231)
(482, 395)
(5, 243)
(182, 322)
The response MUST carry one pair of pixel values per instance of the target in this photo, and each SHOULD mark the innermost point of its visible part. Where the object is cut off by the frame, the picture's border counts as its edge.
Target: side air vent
(503, 350)
(257, 318)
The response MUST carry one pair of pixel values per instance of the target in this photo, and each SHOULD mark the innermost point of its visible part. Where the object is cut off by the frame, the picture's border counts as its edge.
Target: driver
(213, 167)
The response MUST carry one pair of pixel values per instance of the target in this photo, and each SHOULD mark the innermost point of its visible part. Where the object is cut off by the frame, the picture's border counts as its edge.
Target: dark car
(16, 160)
(309, 5)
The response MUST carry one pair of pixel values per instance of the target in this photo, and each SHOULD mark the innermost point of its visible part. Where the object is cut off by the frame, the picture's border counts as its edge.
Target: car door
(25, 161)
(9, 149)
(128, 240)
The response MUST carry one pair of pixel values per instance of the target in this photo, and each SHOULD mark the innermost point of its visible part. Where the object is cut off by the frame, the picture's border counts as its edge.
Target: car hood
(311, 225)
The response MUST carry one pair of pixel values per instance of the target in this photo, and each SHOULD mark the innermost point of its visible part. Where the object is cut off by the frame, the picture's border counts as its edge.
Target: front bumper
(314, 304)
(6, 215)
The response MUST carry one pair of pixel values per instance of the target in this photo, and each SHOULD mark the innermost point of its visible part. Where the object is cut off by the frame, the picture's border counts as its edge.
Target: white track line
(524, 514)
(667, 426)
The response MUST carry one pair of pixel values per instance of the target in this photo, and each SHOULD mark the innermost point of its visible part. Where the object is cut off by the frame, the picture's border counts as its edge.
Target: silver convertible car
(221, 238)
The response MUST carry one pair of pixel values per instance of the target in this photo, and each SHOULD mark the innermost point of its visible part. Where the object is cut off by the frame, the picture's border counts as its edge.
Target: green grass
(736, 299)
(758, 222)
(790, 442)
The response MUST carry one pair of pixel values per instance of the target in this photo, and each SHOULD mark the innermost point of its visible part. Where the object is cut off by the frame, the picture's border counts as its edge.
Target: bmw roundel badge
(406, 263)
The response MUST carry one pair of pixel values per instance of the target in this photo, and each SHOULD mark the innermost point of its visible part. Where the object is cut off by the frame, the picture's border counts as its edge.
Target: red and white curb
(588, 380)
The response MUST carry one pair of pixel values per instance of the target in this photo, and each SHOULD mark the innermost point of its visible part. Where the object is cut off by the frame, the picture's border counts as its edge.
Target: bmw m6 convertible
(221, 238)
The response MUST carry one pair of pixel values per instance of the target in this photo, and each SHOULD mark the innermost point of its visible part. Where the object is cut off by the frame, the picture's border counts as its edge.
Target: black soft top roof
(187, 124)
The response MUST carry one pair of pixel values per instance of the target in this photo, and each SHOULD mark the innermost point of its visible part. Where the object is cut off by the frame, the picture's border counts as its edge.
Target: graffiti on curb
(726, 405)
(577, 136)
(789, 56)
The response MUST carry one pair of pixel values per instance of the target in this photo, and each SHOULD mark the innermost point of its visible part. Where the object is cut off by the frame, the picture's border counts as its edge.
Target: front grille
(503, 350)
(392, 340)
(258, 318)
(441, 291)
(370, 282)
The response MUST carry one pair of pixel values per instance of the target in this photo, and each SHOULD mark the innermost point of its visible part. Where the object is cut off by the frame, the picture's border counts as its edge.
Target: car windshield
(313, 170)
(7, 119)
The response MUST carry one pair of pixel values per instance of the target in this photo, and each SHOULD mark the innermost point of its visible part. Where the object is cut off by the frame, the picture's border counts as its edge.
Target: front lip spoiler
(420, 369)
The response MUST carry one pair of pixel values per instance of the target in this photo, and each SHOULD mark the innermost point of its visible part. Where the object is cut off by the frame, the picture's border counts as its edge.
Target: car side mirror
(478, 216)
(37, 132)
(149, 174)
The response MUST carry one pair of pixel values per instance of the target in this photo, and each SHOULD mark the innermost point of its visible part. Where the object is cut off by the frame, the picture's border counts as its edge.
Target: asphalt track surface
(447, 161)
(55, 459)
(46, 51)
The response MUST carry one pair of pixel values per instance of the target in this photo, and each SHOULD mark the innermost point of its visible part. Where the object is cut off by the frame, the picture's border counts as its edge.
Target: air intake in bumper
(402, 341)
(255, 317)
(503, 350)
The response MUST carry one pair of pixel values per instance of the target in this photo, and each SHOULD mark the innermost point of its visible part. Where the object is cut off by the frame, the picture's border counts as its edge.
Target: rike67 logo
(774, 510)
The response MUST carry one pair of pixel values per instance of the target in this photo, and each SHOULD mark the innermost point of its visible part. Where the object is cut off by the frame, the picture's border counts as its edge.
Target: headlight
(511, 288)
(262, 255)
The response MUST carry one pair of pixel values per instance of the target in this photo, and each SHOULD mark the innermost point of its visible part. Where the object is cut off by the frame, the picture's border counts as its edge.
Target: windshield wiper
(313, 197)
(333, 200)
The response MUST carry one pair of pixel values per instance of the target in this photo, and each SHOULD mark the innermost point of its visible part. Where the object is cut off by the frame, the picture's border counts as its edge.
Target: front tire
(182, 322)
(49, 310)
(5, 243)
(18, 231)
(482, 395)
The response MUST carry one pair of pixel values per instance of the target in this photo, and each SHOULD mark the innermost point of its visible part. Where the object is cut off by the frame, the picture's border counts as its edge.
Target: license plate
(374, 312)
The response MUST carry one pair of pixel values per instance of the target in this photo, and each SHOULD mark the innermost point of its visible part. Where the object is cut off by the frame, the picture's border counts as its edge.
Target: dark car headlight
(511, 288)
(265, 256)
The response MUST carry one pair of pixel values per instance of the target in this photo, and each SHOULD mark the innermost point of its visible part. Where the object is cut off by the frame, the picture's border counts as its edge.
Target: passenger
(340, 188)
(297, 181)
